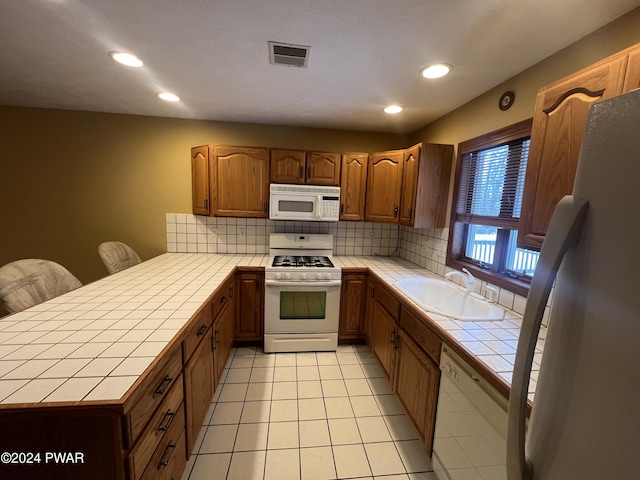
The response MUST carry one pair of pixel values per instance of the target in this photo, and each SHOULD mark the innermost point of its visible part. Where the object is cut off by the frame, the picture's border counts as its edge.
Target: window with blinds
(488, 199)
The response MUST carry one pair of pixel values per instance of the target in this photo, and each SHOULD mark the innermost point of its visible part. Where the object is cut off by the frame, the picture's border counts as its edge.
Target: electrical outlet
(372, 236)
(242, 232)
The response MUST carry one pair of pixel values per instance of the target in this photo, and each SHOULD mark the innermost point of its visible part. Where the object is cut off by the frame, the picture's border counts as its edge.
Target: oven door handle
(329, 283)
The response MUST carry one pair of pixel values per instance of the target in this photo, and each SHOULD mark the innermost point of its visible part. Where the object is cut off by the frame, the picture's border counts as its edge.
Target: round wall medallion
(506, 100)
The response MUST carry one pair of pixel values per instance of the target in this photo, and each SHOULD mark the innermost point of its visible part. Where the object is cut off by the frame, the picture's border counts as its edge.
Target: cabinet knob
(395, 211)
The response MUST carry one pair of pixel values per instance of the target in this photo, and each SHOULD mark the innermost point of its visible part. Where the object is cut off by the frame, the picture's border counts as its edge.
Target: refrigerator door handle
(564, 233)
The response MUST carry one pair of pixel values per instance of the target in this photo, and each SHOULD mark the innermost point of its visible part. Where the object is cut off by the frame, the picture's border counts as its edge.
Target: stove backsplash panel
(187, 233)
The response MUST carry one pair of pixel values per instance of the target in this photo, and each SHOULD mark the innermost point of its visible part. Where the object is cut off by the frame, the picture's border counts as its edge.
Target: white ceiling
(364, 55)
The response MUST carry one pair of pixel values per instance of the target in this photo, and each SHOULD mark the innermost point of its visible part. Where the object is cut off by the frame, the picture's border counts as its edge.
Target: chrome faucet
(466, 277)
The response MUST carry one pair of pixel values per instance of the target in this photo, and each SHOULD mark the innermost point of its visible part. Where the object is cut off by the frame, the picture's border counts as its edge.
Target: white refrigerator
(585, 422)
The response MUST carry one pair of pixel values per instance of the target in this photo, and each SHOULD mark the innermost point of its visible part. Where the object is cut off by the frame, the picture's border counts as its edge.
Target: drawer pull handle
(166, 456)
(223, 299)
(166, 421)
(163, 386)
(201, 330)
(393, 336)
(215, 337)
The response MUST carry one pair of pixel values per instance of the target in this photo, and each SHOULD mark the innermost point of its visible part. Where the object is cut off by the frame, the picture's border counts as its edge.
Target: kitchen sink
(448, 299)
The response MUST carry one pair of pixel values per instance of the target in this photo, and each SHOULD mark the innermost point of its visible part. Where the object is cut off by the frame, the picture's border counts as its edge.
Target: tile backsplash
(426, 247)
(198, 234)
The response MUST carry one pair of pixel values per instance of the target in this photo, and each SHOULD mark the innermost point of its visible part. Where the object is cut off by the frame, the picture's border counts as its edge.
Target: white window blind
(492, 180)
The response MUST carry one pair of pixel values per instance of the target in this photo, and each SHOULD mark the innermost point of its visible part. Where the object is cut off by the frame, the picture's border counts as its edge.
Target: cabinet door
(384, 177)
(383, 335)
(353, 185)
(287, 166)
(352, 305)
(198, 390)
(323, 168)
(249, 306)
(416, 383)
(409, 184)
(558, 123)
(632, 78)
(426, 176)
(240, 182)
(200, 179)
(222, 341)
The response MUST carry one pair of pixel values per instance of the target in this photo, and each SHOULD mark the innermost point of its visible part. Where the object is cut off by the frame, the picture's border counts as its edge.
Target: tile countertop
(93, 343)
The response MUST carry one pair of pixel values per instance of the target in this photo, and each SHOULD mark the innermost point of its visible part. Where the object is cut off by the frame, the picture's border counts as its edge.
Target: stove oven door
(309, 307)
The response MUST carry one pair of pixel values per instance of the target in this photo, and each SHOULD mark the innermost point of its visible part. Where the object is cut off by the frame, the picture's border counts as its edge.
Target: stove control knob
(287, 276)
(319, 276)
(303, 276)
(327, 276)
(278, 276)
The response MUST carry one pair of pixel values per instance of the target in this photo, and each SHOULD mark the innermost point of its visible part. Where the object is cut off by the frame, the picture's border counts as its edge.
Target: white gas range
(302, 294)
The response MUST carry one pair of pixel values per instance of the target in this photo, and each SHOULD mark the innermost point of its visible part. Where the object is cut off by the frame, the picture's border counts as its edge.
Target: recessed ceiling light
(126, 59)
(436, 70)
(169, 97)
(393, 109)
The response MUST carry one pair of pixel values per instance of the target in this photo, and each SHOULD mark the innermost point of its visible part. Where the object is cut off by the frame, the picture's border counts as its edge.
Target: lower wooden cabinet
(383, 338)
(416, 382)
(198, 390)
(222, 341)
(249, 298)
(352, 305)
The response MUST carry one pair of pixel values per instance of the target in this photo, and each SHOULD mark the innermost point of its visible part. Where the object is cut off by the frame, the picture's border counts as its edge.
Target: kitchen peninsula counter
(94, 343)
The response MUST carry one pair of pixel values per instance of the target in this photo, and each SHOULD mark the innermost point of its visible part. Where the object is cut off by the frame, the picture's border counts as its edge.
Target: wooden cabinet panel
(353, 186)
(249, 306)
(323, 168)
(421, 334)
(222, 341)
(384, 178)
(198, 387)
(385, 298)
(368, 314)
(409, 184)
(199, 328)
(200, 179)
(240, 182)
(416, 383)
(288, 166)
(558, 123)
(152, 435)
(152, 391)
(352, 305)
(383, 335)
(169, 459)
(426, 177)
(632, 77)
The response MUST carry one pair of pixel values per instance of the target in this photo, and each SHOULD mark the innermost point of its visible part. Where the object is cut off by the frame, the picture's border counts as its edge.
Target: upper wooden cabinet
(240, 182)
(299, 167)
(425, 185)
(288, 166)
(353, 186)
(632, 78)
(384, 178)
(411, 186)
(200, 179)
(559, 119)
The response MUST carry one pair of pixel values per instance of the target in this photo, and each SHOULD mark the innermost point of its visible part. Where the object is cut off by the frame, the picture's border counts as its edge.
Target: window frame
(457, 232)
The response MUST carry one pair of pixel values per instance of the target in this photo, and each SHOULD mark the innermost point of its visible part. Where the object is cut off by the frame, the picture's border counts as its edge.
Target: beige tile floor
(306, 416)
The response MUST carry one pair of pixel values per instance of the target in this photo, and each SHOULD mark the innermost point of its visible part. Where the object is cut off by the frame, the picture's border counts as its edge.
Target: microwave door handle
(318, 213)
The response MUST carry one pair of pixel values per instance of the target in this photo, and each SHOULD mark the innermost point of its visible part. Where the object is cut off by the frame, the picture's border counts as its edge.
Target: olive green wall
(71, 180)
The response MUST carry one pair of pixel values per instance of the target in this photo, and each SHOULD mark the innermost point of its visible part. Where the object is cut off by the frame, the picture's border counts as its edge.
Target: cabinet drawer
(388, 301)
(169, 459)
(220, 298)
(421, 334)
(161, 421)
(152, 391)
(198, 329)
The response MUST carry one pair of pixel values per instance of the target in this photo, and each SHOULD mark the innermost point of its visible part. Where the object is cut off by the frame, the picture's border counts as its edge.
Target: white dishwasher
(471, 424)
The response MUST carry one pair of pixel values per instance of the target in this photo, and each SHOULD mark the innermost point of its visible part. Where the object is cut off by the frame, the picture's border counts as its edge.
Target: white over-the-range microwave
(313, 203)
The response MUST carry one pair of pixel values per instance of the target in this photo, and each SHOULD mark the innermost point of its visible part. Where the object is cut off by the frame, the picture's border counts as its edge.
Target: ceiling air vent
(288, 55)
